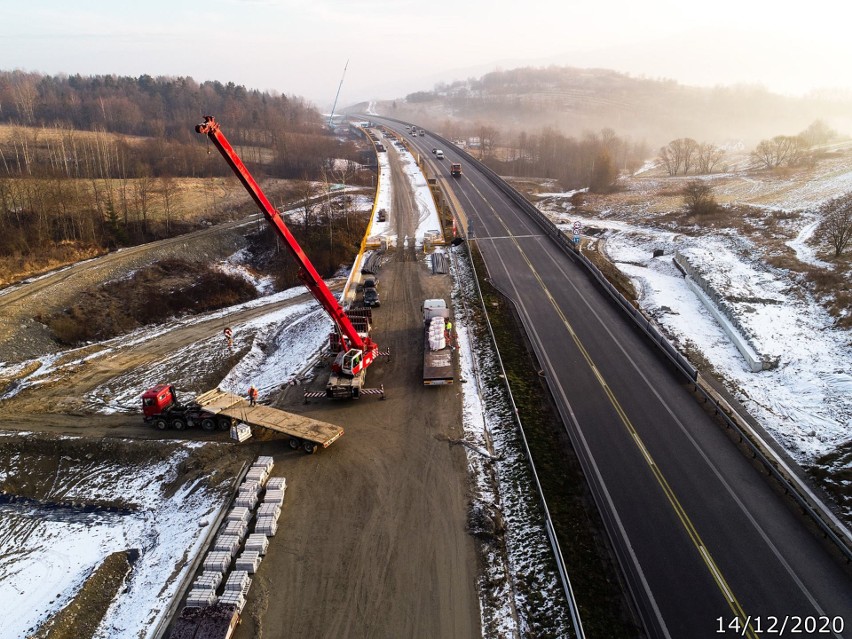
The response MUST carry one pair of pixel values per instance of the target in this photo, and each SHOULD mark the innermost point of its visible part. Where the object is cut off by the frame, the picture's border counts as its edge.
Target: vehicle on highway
(439, 154)
(434, 150)
(455, 169)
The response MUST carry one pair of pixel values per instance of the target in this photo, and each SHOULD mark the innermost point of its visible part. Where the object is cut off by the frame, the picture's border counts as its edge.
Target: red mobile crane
(357, 351)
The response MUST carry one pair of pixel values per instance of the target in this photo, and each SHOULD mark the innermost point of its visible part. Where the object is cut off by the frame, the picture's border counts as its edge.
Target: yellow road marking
(715, 572)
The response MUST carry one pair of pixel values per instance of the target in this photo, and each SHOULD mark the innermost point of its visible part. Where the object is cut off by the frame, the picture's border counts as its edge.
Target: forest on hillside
(573, 101)
(84, 159)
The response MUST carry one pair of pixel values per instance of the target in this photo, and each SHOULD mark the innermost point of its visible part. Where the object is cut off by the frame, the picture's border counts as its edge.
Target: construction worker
(252, 395)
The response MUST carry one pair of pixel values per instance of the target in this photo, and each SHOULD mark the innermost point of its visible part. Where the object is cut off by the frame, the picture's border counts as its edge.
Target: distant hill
(575, 101)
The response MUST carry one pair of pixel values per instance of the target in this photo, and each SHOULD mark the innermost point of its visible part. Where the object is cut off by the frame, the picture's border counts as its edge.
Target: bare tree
(837, 222)
(679, 154)
(689, 149)
(708, 157)
(781, 150)
(670, 160)
(168, 192)
(817, 133)
(604, 174)
(698, 197)
(309, 201)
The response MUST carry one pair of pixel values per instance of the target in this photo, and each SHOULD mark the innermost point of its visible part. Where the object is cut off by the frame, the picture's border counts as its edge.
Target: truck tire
(179, 423)
(295, 443)
(309, 447)
(224, 423)
(208, 424)
(161, 424)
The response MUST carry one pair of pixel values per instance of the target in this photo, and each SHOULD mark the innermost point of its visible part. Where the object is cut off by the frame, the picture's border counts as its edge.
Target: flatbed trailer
(438, 367)
(304, 432)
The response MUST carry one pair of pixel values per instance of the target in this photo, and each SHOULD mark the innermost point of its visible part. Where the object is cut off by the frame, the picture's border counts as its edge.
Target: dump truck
(455, 169)
(221, 409)
(438, 367)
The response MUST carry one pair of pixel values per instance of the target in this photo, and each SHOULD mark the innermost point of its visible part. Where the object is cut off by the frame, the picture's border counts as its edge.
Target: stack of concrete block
(273, 496)
(249, 560)
(241, 432)
(217, 561)
(239, 513)
(238, 581)
(200, 598)
(250, 487)
(267, 525)
(276, 483)
(257, 542)
(246, 500)
(233, 598)
(269, 510)
(227, 543)
(258, 473)
(265, 461)
(238, 528)
(207, 579)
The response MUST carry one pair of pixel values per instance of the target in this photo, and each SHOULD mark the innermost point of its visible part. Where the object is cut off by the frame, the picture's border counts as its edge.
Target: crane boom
(350, 338)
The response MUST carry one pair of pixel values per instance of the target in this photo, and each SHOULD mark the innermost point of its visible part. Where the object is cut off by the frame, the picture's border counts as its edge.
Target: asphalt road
(701, 536)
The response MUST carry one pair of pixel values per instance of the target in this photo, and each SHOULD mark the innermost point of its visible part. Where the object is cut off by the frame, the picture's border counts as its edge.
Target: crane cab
(349, 362)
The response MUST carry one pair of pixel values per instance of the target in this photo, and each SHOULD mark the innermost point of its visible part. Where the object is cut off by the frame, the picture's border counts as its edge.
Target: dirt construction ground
(372, 540)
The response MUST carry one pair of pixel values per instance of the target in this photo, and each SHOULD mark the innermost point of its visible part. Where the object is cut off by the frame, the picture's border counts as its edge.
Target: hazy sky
(299, 47)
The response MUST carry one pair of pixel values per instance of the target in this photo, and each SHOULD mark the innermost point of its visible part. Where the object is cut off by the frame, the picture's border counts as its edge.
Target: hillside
(573, 101)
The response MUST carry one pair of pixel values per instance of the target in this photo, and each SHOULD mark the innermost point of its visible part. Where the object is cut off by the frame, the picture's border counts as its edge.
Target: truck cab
(157, 400)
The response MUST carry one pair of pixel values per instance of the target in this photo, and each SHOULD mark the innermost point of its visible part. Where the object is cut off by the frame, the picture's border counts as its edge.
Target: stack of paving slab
(233, 598)
(227, 543)
(257, 542)
(248, 487)
(270, 508)
(217, 561)
(240, 432)
(208, 580)
(200, 598)
(277, 483)
(238, 581)
(249, 560)
(259, 472)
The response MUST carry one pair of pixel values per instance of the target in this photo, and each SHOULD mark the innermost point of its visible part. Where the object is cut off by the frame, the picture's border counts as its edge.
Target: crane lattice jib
(307, 273)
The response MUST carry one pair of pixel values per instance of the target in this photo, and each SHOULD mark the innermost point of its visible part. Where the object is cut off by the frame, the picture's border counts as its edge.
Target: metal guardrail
(829, 525)
(550, 529)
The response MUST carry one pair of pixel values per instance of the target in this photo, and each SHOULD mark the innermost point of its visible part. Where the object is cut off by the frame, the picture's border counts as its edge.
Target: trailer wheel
(208, 424)
(179, 423)
(309, 447)
(224, 423)
(295, 443)
(161, 424)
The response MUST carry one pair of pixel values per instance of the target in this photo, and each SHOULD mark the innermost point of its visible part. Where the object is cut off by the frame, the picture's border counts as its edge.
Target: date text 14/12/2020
(783, 625)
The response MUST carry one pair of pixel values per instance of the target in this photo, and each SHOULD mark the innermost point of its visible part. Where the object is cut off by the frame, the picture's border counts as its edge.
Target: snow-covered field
(165, 529)
(48, 547)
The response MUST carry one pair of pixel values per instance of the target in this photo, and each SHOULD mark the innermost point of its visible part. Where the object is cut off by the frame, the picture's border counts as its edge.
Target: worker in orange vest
(252, 395)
